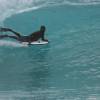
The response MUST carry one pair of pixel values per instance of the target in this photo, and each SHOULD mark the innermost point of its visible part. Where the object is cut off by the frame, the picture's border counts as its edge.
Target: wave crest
(11, 7)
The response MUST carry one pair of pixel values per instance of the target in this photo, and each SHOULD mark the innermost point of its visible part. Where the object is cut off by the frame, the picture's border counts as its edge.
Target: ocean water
(68, 68)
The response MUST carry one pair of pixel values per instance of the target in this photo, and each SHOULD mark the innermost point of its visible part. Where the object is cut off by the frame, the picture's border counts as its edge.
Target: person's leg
(10, 30)
(13, 37)
(7, 36)
(4, 29)
(16, 33)
(3, 36)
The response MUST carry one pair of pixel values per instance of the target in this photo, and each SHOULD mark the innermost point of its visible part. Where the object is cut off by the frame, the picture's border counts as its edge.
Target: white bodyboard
(35, 43)
(39, 42)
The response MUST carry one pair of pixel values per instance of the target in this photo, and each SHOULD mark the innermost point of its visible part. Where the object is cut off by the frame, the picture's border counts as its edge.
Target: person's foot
(4, 29)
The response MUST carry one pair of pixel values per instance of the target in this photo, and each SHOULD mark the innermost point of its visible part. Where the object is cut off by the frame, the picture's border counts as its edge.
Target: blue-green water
(68, 68)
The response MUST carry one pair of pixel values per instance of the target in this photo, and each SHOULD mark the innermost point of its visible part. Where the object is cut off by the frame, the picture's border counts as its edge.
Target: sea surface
(68, 67)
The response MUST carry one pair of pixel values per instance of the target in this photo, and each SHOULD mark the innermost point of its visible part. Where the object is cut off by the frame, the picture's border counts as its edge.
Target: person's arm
(43, 38)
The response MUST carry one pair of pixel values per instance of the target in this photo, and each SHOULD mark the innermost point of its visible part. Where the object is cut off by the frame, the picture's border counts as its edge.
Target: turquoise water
(68, 68)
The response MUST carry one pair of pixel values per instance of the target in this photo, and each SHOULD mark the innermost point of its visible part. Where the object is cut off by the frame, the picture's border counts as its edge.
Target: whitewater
(9, 8)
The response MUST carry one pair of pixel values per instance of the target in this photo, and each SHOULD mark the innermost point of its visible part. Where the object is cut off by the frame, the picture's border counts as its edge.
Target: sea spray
(11, 43)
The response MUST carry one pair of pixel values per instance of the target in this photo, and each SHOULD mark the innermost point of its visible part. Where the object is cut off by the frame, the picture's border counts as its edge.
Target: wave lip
(11, 7)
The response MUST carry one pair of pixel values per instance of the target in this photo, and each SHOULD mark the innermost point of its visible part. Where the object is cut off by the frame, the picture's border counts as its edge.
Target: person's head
(42, 28)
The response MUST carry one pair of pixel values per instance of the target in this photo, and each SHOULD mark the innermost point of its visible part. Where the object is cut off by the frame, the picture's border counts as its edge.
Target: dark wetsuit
(32, 37)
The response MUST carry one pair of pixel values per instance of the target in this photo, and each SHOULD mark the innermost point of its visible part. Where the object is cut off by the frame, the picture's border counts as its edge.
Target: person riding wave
(35, 36)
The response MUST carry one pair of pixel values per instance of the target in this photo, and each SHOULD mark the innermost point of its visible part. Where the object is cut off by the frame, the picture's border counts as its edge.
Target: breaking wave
(11, 7)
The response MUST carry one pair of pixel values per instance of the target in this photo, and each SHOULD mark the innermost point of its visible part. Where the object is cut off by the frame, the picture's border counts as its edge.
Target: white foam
(11, 7)
(11, 43)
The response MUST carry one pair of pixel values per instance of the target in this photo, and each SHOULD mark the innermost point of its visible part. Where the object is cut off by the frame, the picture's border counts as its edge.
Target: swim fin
(4, 29)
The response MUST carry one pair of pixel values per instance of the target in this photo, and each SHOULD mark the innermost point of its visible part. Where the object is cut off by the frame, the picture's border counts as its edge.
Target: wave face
(11, 7)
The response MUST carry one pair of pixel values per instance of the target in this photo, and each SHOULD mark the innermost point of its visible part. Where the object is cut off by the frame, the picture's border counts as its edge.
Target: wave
(11, 43)
(11, 7)
(52, 94)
